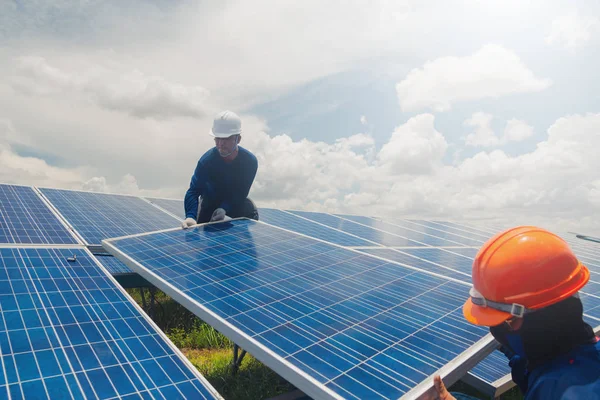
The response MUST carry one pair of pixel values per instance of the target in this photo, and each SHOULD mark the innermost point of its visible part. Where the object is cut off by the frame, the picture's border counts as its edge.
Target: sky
(479, 111)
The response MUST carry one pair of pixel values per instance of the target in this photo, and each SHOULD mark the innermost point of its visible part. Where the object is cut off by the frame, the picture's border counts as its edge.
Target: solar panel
(439, 261)
(24, 218)
(485, 232)
(175, 207)
(334, 322)
(303, 226)
(113, 265)
(368, 233)
(97, 216)
(465, 238)
(67, 330)
(419, 232)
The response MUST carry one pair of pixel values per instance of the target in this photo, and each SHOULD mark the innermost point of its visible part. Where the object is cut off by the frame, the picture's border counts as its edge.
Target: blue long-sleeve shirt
(572, 376)
(227, 182)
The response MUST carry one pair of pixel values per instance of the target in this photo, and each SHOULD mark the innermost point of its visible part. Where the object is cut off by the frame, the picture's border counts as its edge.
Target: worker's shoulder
(247, 155)
(210, 155)
(574, 375)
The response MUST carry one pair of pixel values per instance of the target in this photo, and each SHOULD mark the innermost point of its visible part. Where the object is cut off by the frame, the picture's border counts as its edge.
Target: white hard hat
(226, 124)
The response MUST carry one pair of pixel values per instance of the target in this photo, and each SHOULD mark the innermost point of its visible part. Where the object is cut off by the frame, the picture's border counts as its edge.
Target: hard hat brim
(483, 316)
(224, 135)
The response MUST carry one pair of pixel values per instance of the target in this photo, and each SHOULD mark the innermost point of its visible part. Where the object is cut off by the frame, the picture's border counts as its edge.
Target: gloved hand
(218, 215)
(188, 222)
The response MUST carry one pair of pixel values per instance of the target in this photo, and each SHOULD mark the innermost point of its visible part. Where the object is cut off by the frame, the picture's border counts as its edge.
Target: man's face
(226, 146)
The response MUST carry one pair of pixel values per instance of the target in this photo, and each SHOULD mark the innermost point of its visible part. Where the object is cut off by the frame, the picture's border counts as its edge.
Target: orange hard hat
(519, 271)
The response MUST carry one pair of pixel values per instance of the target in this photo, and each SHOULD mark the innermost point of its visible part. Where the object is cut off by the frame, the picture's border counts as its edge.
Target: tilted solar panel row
(335, 323)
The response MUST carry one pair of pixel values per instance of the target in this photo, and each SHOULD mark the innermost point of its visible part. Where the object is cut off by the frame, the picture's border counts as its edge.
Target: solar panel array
(440, 250)
(24, 218)
(330, 320)
(67, 330)
(97, 216)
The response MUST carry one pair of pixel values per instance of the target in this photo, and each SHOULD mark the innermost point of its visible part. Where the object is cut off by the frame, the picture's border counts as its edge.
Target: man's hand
(218, 215)
(188, 222)
(441, 390)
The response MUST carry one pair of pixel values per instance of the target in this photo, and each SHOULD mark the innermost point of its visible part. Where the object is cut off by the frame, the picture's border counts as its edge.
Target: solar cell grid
(356, 325)
(96, 216)
(461, 238)
(68, 331)
(25, 219)
(418, 232)
(297, 224)
(368, 233)
(439, 261)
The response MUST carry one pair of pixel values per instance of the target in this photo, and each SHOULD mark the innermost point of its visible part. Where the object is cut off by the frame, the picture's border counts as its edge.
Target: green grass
(253, 380)
(211, 353)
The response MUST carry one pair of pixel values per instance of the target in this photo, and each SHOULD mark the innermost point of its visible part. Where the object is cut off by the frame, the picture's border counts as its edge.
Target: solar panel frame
(113, 265)
(172, 206)
(30, 203)
(79, 222)
(56, 340)
(451, 372)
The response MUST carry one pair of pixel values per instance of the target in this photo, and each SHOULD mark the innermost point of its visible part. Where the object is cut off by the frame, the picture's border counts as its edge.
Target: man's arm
(196, 189)
(240, 192)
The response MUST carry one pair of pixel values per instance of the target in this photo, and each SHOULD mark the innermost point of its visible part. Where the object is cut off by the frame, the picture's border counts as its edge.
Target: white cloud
(550, 186)
(114, 115)
(29, 170)
(34, 171)
(414, 148)
(484, 134)
(363, 120)
(572, 30)
(131, 92)
(517, 130)
(491, 72)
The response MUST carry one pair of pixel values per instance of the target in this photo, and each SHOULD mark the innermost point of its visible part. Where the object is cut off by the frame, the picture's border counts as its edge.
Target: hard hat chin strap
(515, 309)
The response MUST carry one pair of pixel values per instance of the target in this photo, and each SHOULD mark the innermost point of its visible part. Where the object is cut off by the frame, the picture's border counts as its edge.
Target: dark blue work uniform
(571, 376)
(222, 184)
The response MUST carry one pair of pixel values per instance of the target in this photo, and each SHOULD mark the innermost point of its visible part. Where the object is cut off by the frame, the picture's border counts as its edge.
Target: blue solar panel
(365, 232)
(175, 207)
(113, 265)
(485, 232)
(24, 218)
(68, 331)
(438, 261)
(444, 234)
(328, 319)
(294, 223)
(422, 234)
(97, 216)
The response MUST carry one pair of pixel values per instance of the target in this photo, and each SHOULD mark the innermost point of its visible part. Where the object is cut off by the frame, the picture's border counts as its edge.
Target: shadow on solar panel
(334, 322)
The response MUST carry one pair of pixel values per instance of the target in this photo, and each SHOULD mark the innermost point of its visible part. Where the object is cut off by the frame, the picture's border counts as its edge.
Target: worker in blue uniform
(526, 284)
(223, 177)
